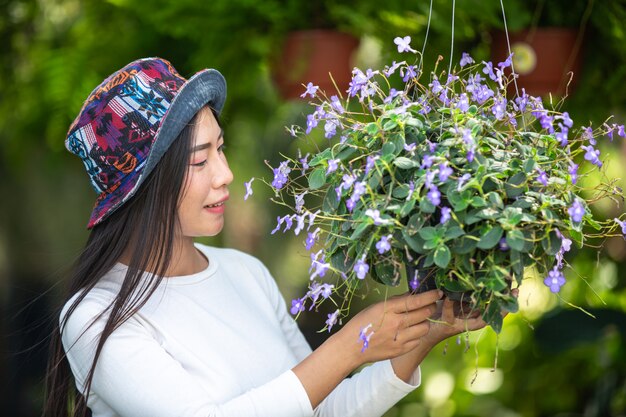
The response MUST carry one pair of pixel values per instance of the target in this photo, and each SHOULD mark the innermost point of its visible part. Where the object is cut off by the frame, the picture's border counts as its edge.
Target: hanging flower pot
(313, 56)
(543, 58)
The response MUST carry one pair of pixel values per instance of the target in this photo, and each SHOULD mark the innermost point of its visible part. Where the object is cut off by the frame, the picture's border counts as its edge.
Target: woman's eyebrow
(207, 144)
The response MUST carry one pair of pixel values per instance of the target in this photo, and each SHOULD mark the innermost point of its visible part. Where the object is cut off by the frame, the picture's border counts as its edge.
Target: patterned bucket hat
(130, 120)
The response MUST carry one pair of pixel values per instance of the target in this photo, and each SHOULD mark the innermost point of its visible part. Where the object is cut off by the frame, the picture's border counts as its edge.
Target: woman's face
(201, 207)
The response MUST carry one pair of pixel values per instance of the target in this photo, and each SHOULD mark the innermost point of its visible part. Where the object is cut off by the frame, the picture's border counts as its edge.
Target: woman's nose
(223, 175)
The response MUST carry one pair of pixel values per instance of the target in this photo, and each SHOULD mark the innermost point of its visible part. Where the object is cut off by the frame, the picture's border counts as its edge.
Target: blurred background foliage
(552, 359)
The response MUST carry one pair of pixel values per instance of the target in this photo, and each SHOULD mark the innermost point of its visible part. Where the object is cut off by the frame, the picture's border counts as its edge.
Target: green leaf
(404, 162)
(346, 153)
(491, 238)
(360, 229)
(493, 316)
(372, 129)
(388, 149)
(464, 245)
(442, 256)
(415, 224)
(454, 232)
(529, 166)
(459, 201)
(416, 243)
(495, 200)
(407, 207)
(428, 233)
(478, 202)
(488, 214)
(386, 274)
(401, 191)
(551, 243)
(317, 178)
(577, 237)
(389, 125)
(516, 185)
(430, 259)
(515, 240)
(321, 157)
(331, 203)
(517, 266)
(426, 206)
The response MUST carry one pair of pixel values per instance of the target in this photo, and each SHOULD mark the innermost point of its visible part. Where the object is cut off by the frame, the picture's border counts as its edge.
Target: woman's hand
(389, 328)
(382, 331)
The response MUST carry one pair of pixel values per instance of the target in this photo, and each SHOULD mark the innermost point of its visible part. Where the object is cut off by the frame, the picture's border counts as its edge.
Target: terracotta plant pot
(309, 56)
(543, 57)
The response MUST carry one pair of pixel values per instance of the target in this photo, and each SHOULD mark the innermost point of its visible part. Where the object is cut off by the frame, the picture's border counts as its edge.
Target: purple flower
(546, 122)
(410, 148)
(330, 128)
(555, 280)
(499, 108)
(462, 181)
(364, 337)
(297, 305)
(311, 122)
(435, 86)
(488, 70)
(434, 196)
(360, 268)
(404, 44)
(326, 290)
(463, 103)
(304, 162)
(466, 59)
(567, 121)
(371, 161)
(299, 198)
(427, 161)
(409, 73)
(576, 211)
(562, 136)
(300, 225)
(332, 320)
(383, 244)
(335, 103)
(620, 131)
(482, 93)
(311, 239)
(393, 93)
(375, 214)
(281, 175)
(503, 245)
(444, 172)
(573, 172)
(280, 221)
(445, 214)
(543, 177)
(358, 82)
(522, 101)
(430, 176)
(310, 89)
(592, 155)
(333, 164)
(248, 189)
(320, 266)
(394, 66)
(414, 283)
(507, 62)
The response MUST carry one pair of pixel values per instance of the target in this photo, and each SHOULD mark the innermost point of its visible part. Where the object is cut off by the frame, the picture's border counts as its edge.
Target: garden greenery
(446, 180)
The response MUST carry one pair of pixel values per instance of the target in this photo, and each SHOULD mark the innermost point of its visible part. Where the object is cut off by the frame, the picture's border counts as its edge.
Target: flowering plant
(449, 181)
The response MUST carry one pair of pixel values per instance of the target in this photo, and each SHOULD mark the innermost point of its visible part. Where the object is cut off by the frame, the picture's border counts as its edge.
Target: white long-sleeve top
(216, 343)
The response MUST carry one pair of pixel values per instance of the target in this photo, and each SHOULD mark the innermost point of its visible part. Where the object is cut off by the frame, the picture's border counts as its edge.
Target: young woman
(157, 325)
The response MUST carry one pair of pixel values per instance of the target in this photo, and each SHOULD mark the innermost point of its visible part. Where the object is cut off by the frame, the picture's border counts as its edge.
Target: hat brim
(205, 87)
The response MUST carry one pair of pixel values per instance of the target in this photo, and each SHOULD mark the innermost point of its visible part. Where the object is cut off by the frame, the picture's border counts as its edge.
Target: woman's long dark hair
(149, 216)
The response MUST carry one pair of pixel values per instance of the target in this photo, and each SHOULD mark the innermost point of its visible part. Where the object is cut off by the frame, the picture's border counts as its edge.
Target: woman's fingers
(414, 301)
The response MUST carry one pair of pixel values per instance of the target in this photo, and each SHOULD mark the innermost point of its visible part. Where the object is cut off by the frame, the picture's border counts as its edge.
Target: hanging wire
(430, 13)
(452, 41)
(508, 44)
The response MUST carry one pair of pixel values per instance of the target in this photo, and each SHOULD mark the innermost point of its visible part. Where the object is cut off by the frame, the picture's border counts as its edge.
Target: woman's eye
(222, 148)
(199, 164)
